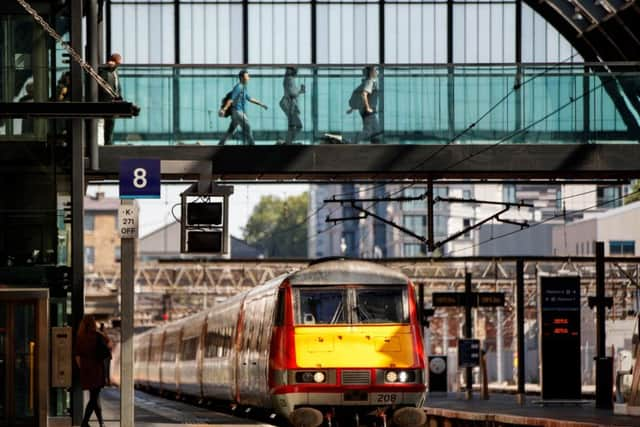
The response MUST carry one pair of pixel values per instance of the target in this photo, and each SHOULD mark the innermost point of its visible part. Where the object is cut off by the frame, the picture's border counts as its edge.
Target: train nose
(306, 417)
(409, 417)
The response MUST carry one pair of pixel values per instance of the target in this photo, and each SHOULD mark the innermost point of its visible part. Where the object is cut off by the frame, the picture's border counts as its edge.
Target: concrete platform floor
(504, 409)
(154, 411)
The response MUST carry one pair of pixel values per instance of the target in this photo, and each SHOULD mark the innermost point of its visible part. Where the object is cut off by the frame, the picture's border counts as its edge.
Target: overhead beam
(379, 162)
(71, 110)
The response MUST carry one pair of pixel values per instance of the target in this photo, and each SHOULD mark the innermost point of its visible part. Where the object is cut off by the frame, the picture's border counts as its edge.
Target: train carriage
(339, 339)
(189, 368)
(218, 364)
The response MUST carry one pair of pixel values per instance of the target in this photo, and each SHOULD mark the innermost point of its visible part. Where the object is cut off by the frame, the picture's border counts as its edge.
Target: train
(336, 343)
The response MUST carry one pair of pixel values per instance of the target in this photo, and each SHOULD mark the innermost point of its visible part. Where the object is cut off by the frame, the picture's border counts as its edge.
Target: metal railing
(418, 104)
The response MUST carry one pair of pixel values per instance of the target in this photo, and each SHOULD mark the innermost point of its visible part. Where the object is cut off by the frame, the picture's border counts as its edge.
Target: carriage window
(211, 345)
(169, 352)
(189, 349)
(156, 351)
(321, 307)
(384, 305)
(217, 344)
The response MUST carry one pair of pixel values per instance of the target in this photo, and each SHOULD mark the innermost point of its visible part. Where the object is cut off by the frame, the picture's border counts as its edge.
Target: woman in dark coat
(91, 365)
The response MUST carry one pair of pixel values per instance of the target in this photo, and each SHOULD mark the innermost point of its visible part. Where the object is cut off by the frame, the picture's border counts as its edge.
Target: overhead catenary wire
(500, 236)
(571, 101)
(472, 125)
(402, 239)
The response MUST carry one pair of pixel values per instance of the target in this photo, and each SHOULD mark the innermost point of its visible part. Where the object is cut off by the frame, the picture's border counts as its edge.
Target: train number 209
(386, 398)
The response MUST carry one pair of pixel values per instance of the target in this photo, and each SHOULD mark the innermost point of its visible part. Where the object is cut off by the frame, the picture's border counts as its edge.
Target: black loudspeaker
(438, 373)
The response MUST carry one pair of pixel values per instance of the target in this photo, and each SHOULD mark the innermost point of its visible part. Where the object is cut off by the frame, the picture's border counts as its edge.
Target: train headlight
(311, 377)
(403, 376)
(319, 377)
(391, 376)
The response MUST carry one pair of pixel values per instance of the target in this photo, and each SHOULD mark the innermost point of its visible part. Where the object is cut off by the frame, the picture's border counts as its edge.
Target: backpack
(355, 101)
(226, 98)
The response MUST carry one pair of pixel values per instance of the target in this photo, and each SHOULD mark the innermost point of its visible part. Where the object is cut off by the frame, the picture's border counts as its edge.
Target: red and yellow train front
(356, 347)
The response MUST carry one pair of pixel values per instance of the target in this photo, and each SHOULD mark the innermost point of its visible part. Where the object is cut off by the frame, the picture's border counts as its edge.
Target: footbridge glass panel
(433, 104)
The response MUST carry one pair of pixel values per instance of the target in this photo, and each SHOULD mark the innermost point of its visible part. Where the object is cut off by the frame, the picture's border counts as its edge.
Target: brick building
(101, 239)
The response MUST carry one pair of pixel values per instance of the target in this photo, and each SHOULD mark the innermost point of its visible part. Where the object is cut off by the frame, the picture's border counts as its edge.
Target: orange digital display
(560, 331)
(561, 321)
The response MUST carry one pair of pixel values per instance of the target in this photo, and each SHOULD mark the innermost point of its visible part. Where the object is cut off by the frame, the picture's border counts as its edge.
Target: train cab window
(381, 305)
(321, 307)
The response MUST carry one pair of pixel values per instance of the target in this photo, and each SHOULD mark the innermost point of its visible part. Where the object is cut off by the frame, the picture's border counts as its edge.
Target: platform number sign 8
(140, 179)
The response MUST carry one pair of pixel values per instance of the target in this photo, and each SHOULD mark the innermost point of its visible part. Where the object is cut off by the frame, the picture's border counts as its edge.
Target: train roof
(347, 272)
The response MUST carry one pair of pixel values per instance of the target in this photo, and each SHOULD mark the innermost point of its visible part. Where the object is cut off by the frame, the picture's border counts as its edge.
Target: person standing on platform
(237, 100)
(109, 72)
(91, 349)
(289, 103)
(107, 361)
(365, 100)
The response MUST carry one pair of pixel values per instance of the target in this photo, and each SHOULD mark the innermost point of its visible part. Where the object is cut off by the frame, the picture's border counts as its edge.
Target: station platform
(452, 409)
(442, 409)
(154, 411)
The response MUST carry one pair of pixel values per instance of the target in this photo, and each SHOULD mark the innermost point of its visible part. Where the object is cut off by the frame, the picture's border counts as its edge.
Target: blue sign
(140, 179)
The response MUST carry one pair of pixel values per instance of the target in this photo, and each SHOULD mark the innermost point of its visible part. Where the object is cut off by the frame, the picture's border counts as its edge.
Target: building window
(416, 223)
(440, 226)
(416, 204)
(117, 253)
(440, 192)
(509, 193)
(89, 255)
(609, 197)
(349, 248)
(466, 194)
(559, 199)
(622, 247)
(466, 222)
(414, 249)
(89, 222)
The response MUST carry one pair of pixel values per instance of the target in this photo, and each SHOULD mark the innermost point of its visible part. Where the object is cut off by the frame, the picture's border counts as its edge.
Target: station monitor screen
(204, 213)
(204, 241)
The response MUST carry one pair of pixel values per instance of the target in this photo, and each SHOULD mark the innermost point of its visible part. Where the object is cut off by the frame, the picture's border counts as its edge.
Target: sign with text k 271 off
(140, 179)
(128, 221)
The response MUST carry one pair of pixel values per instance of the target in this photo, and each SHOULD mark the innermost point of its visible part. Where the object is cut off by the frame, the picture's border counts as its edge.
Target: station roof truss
(190, 283)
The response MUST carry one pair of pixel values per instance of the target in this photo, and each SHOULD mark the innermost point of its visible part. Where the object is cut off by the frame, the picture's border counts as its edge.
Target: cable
(542, 222)
(401, 240)
(506, 138)
(471, 125)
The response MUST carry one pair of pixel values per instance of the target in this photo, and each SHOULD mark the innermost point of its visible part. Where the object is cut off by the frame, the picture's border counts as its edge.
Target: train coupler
(409, 417)
(306, 417)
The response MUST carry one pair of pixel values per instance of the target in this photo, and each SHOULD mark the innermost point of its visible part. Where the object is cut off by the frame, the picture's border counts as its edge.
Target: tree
(634, 195)
(278, 226)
